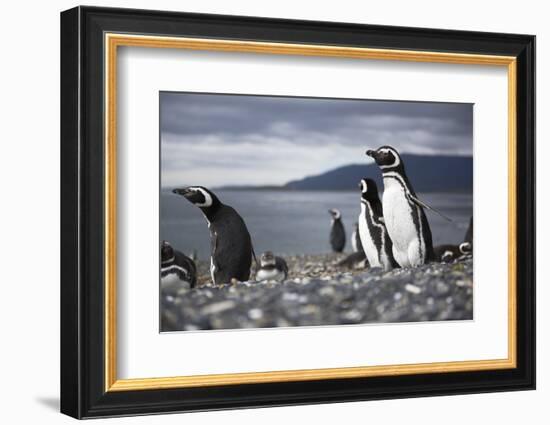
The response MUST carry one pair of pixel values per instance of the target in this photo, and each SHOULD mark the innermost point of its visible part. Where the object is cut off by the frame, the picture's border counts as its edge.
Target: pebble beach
(319, 292)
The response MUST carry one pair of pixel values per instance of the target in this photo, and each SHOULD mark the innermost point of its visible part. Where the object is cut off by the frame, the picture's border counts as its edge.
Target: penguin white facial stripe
(173, 269)
(207, 198)
(169, 260)
(465, 248)
(395, 163)
(363, 186)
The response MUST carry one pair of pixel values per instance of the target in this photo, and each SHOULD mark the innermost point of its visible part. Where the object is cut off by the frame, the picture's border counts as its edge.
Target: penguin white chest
(398, 217)
(371, 251)
(270, 274)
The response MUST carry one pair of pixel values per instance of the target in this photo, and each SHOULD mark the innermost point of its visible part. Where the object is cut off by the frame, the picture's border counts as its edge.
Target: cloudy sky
(215, 140)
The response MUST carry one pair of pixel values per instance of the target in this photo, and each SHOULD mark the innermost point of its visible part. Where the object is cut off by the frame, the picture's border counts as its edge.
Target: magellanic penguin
(374, 236)
(446, 253)
(272, 268)
(337, 232)
(176, 269)
(403, 212)
(356, 239)
(355, 260)
(230, 243)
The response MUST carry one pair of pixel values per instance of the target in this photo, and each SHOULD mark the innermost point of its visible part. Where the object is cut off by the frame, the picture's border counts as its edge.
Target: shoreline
(318, 292)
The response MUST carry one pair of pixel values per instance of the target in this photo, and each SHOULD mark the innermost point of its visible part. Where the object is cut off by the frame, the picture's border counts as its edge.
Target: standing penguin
(176, 270)
(356, 239)
(403, 212)
(337, 232)
(374, 236)
(230, 244)
(272, 268)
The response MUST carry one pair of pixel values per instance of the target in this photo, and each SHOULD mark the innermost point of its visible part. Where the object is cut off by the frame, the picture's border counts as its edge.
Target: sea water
(296, 222)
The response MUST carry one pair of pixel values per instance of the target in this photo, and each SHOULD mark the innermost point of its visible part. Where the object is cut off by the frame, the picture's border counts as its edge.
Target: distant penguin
(337, 232)
(356, 239)
(372, 230)
(446, 253)
(176, 269)
(272, 268)
(230, 243)
(403, 212)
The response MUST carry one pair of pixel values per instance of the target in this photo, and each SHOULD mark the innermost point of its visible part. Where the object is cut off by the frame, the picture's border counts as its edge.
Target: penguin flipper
(423, 204)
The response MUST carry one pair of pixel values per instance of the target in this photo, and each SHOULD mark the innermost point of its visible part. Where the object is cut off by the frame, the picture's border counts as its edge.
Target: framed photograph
(261, 212)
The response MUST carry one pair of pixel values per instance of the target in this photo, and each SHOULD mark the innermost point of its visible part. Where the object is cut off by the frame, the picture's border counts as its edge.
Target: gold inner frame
(113, 41)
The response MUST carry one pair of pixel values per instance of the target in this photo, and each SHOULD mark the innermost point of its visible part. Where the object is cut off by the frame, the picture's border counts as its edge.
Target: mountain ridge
(427, 173)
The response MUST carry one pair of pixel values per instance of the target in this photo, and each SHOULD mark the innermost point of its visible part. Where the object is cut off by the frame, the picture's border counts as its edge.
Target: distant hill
(436, 173)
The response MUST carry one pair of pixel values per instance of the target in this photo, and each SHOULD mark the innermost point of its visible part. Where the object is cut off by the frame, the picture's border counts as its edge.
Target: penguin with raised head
(403, 212)
(272, 268)
(375, 239)
(230, 243)
(176, 269)
(337, 232)
(356, 239)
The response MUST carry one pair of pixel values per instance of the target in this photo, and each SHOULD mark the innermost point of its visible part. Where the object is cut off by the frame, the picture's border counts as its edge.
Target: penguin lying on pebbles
(176, 270)
(446, 253)
(337, 232)
(230, 243)
(372, 230)
(356, 260)
(272, 268)
(403, 212)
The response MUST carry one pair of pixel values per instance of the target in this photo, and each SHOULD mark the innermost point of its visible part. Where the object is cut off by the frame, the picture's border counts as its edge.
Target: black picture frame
(83, 392)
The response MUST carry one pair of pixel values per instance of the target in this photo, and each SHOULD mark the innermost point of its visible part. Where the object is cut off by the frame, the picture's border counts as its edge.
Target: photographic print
(291, 211)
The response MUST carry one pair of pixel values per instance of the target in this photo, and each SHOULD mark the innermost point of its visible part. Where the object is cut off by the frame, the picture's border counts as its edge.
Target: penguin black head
(386, 157)
(267, 259)
(447, 257)
(465, 248)
(369, 190)
(199, 196)
(336, 215)
(166, 252)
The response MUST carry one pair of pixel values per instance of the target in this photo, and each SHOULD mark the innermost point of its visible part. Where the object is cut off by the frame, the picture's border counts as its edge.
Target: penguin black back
(230, 242)
(372, 229)
(446, 253)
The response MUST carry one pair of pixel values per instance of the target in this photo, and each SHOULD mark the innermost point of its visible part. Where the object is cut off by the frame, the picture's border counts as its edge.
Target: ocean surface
(296, 222)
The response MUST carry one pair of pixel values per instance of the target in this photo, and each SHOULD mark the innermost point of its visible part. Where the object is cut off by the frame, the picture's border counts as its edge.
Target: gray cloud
(232, 139)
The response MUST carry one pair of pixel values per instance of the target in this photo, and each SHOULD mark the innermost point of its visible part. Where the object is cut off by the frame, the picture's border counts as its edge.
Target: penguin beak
(371, 153)
(181, 191)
